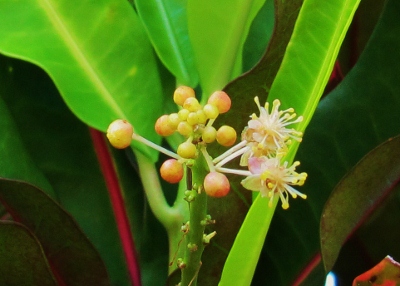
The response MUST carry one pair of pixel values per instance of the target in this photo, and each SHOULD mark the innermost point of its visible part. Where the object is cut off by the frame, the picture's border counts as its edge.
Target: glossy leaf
(61, 148)
(21, 257)
(217, 31)
(328, 24)
(385, 273)
(356, 195)
(166, 25)
(97, 53)
(16, 162)
(359, 114)
(68, 250)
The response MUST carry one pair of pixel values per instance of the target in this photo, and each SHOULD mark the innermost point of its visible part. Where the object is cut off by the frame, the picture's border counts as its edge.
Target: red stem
(117, 202)
(308, 269)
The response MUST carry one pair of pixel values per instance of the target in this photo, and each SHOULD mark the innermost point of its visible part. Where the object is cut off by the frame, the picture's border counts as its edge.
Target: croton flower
(271, 178)
(268, 134)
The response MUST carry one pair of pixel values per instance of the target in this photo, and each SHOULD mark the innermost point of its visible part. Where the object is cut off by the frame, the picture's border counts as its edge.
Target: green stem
(194, 237)
(168, 216)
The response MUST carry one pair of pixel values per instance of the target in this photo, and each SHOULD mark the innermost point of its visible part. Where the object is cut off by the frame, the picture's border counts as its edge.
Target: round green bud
(191, 104)
(193, 118)
(185, 129)
(119, 133)
(211, 111)
(187, 150)
(173, 120)
(182, 93)
(226, 136)
(209, 134)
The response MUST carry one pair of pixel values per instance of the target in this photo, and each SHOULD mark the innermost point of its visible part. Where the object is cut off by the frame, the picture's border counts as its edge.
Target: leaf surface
(61, 148)
(166, 25)
(356, 195)
(217, 31)
(68, 250)
(97, 53)
(18, 249)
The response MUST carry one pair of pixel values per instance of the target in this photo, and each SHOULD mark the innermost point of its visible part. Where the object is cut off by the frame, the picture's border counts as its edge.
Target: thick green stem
(198, 216)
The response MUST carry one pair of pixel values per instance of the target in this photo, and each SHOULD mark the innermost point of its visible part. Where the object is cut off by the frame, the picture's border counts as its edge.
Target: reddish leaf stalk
(308, 269)
(117, 202)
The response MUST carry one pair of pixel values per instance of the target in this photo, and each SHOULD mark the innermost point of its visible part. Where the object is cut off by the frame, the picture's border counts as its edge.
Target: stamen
(230, 151)
(155, 146)
(233, 171)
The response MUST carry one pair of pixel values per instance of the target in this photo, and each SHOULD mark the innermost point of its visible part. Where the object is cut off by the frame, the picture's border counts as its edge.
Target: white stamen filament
(155, 146)
(233, 171)
(230, 151)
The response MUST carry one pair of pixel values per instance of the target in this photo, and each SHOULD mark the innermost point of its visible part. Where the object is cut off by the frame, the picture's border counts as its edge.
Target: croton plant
(173, 142)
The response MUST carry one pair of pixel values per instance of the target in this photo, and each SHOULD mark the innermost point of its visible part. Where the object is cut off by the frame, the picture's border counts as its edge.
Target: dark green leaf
(22, 260)
(68, 250)
(61, 148)
(356, 195)
(362, 112)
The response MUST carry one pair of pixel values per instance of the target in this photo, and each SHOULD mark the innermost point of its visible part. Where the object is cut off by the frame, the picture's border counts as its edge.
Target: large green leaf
(19, 248)
(166, 25)
(362, 112)
(68, 250)
(297, 85)
(217, 31)
(356, 195)
(61, 148)
(96, 52)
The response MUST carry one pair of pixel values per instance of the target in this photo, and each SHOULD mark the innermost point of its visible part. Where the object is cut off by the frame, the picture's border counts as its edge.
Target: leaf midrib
(80, 57)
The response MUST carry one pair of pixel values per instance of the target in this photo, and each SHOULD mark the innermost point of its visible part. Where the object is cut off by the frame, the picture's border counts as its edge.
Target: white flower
(270, 177)
(268, 135)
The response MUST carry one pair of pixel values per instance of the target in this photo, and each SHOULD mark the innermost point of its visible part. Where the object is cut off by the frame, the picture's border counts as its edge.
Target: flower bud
(162, 126)
(226, 136)
(119, 133)
(171, 171)
(221, 100)
(216, 185)
(209, 134)
(182, 93)
(187, 150)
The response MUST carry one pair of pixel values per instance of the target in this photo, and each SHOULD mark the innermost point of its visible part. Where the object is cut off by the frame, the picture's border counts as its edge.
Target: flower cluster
(264, 142)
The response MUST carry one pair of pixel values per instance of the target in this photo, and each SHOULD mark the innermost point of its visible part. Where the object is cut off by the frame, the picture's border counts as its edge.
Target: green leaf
(68, 250)
(297, 85)
(166, 25)
(22, 259)
(356, 195)
(217, 31)
(61, 148)
(362, 112)
(16, 162)
(97, 53)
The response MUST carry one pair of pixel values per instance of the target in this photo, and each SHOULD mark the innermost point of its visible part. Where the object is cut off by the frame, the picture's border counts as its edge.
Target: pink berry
(119, 133)
(182, 93)
(216, 185)
(171, 171)
(221, 100)
(163, 127)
